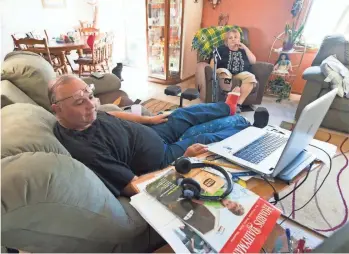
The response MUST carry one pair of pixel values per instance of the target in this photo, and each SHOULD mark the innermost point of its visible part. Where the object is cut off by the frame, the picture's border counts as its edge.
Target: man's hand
(195, 150)
(162, 118)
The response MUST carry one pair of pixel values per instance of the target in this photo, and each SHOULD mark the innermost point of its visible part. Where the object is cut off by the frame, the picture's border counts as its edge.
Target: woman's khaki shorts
(225, 78)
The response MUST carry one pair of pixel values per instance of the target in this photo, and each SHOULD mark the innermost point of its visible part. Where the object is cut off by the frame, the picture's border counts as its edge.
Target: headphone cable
(323, 181)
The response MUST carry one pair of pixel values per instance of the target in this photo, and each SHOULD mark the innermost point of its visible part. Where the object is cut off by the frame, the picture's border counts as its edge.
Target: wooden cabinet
(164, 37)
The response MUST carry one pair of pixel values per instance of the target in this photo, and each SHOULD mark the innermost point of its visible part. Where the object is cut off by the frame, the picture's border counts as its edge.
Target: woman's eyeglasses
(86, 92)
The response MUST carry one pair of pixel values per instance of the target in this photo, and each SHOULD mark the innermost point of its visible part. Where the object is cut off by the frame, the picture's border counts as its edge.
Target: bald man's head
(73, 102)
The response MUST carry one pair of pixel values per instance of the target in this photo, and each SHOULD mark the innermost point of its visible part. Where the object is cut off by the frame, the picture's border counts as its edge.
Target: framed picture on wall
(54, 3)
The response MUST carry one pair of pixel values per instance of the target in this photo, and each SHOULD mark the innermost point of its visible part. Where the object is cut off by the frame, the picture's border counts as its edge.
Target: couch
(337, 117)
(203, 77)
(51, 202)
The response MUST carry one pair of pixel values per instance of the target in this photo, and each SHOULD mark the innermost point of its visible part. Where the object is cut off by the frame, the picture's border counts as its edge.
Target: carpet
(328, 210)
(155, 106)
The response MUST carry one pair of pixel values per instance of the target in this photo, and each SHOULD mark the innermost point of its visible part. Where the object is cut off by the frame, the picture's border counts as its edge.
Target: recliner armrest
(313, 73)
(262, 70)
(108, 83)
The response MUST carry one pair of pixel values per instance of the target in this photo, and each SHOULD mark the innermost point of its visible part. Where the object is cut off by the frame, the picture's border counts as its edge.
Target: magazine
(239, 223)
(181, 237)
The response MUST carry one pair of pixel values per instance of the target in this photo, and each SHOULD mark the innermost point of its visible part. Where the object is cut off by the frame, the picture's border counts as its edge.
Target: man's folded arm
(114, 172)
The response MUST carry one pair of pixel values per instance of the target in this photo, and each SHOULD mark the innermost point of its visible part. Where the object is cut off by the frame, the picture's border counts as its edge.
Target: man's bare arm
(129, 191)
(139, 119)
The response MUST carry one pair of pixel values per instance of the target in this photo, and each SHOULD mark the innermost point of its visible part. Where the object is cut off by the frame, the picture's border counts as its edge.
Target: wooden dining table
(60, 49)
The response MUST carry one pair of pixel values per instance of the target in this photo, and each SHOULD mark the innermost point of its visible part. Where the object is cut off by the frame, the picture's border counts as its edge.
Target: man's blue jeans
(202, 123)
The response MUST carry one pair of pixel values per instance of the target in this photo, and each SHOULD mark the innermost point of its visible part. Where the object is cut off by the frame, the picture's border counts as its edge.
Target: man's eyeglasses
(86, 92)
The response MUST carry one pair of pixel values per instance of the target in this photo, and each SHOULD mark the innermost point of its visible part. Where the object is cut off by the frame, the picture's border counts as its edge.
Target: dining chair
(97, 58)
(109, 48)
(88, 31)
(40, 47)
(84, 24)
(16, 36)
(43, 34)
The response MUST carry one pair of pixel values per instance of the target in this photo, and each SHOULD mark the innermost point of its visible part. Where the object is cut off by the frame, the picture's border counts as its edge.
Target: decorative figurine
(283, 65)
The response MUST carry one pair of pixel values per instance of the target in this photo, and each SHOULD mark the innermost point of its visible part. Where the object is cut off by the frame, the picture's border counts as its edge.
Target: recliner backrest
(333, 45)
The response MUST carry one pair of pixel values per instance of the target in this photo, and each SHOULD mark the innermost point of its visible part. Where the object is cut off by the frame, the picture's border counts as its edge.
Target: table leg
(79, 51)
(63, 62)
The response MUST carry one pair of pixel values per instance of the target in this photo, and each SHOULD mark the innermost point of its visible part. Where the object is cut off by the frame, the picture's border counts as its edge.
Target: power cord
(323, 181)
(299, 185)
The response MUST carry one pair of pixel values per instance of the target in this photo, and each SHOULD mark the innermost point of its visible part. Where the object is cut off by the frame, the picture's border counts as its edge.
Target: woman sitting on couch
(236, 60)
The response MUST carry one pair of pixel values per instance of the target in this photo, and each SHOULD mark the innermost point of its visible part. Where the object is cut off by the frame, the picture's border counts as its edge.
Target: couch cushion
(28, 128)
(10, 94)
(30, 73)
(341, 104)
(53, 203)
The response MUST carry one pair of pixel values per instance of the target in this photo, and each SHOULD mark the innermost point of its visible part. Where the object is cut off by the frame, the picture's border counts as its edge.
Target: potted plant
(280, 87)
(291, 36)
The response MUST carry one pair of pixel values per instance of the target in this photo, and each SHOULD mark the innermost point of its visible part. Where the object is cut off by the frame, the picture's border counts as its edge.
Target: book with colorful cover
(239, 223)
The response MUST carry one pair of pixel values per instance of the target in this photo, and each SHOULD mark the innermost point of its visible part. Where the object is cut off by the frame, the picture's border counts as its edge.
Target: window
(326, 17)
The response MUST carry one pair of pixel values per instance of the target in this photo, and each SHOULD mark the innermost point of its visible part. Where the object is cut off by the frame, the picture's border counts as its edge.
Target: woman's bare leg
(244, 90)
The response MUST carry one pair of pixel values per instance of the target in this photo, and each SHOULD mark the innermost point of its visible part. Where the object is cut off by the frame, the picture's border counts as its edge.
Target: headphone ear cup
(191, 188)
(183, 165)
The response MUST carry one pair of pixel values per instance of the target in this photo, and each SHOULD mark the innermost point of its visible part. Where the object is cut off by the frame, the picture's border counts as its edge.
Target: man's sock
(261, 117)
(232, 101)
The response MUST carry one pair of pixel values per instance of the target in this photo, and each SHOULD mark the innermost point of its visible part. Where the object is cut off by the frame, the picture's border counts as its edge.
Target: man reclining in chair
(119, 146)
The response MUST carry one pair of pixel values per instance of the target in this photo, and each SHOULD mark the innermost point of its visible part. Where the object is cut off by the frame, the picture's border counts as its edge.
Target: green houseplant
(292, 36)
(280, 87)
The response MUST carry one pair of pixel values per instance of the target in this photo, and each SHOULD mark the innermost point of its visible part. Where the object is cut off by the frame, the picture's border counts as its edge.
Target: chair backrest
(16, 36)
(336, 44)
(39, 34)
(109, 42)
(34, 45)
(84, 24)
(99, 50)
(88, 31)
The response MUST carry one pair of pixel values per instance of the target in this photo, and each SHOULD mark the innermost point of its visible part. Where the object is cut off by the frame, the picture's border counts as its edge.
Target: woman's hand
(162, 118)
(195, 150)
(242, 46)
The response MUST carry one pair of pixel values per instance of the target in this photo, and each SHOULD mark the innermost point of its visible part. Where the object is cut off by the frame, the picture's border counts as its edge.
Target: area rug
(155, 106)
(328, 210)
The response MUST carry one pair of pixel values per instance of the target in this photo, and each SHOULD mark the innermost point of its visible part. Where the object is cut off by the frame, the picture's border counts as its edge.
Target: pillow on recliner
(28, 128)
(30, 73)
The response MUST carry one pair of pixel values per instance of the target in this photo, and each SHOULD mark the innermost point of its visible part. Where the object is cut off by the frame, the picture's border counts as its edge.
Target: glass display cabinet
(164, 36)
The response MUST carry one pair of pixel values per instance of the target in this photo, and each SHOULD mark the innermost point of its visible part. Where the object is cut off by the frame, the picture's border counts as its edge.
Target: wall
(264, 19)
(191, 24)
(20, 16)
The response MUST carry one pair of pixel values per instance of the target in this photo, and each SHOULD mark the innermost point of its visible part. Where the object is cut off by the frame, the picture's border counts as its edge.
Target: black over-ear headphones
(191, 188)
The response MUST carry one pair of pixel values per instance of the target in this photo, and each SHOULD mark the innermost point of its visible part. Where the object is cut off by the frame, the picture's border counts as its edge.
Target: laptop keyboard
(261, 148)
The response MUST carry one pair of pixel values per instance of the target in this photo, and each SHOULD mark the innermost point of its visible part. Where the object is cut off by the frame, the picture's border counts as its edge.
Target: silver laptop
(267, 152)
